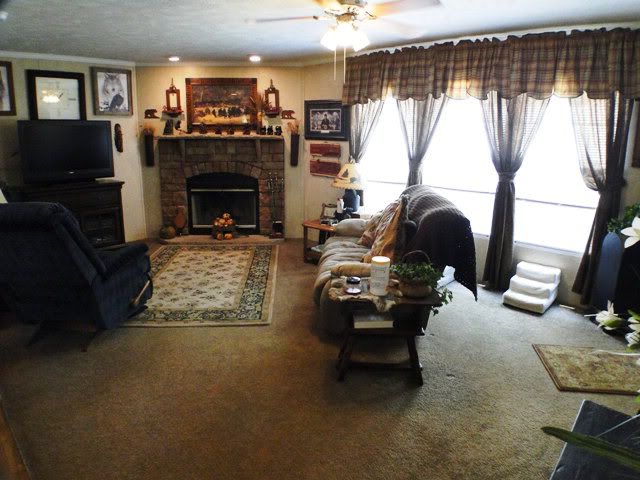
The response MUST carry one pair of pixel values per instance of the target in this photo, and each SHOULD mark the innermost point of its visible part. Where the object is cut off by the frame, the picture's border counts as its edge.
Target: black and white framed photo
(56, 95)
(7, 97)
(111, 91)
(326, 120)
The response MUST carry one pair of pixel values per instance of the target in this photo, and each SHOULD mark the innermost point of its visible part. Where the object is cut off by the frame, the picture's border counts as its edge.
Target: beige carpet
(586, 369)
(263, 403)
(210, 285)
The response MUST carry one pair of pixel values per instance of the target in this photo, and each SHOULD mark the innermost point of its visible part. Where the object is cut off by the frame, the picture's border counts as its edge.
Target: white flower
(608, 319)
(632, 233)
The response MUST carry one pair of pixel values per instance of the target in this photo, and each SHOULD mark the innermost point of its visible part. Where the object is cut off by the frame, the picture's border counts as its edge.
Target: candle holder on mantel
(275, 185)
(173, 107)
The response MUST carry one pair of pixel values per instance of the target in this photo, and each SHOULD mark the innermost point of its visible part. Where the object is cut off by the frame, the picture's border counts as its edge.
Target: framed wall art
(111, 91)
(7, 97)
(56, 95)
(221, 102)
(326, 120)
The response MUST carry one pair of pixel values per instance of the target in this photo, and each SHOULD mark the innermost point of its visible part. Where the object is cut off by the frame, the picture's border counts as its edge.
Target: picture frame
(326, 120)
(112, 93)
(45, 86)
(7, 95)
(221, 102)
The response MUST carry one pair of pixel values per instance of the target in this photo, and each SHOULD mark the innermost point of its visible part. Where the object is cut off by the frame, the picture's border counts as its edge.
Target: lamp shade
(348, 177)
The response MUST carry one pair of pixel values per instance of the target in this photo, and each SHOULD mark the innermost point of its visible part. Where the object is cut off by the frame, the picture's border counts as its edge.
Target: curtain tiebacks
(506, 176)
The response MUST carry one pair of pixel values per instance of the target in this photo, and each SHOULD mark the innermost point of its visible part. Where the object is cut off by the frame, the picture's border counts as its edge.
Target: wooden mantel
(182, 138)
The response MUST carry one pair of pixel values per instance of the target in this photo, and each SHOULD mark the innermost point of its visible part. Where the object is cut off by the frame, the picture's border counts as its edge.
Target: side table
(388, 316)
(325, 231)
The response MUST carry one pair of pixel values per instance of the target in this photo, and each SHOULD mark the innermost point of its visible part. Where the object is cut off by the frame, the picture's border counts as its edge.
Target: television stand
(96, 204)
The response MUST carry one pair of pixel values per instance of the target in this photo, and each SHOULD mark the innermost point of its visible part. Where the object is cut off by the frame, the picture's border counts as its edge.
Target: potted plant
(417, 280)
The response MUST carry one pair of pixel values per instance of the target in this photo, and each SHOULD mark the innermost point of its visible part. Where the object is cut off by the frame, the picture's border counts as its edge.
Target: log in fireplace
(210, 195)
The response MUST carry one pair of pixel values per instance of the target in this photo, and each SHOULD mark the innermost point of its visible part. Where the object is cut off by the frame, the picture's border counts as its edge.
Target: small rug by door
(587, 369)
(207, 285)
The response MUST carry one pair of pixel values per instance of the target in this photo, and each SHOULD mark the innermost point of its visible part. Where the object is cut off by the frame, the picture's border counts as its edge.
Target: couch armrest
(114, 259)
(351, 269)
(351, 227)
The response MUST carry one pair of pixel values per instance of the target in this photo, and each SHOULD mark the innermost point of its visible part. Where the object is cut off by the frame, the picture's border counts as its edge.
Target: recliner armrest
(351, 227)
(115, 259)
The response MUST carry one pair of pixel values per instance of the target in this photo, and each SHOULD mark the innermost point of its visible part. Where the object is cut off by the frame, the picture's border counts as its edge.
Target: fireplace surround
(194, 157)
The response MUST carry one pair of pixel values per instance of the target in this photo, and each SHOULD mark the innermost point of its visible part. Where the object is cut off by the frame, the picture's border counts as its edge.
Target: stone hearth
(257, 157)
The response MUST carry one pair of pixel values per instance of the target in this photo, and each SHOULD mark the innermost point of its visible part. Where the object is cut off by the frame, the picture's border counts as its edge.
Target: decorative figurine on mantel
(202, 129)
(275, 185)
(172, 108)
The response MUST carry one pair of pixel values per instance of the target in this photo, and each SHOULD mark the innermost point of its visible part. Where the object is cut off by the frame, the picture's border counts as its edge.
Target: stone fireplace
(209, 175)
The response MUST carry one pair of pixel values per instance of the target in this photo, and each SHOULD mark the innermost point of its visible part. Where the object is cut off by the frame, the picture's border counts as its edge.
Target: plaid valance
(598, 62)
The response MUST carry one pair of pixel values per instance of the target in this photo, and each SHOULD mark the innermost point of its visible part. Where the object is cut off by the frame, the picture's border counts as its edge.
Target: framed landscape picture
(111, 91)
(221, 102)
(326, 120)
(56, 95)
(7, 97)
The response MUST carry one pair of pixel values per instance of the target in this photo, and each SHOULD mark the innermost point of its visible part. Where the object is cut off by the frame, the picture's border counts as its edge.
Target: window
(553, 206)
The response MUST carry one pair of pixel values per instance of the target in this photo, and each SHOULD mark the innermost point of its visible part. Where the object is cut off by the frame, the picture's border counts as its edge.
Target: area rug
(207, 285)
(587, 369)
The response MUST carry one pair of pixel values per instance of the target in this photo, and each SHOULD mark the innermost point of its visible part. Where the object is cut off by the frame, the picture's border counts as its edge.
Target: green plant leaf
(597, 446)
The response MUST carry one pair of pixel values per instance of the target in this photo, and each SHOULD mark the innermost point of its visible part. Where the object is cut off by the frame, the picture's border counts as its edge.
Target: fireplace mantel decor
(185, 156)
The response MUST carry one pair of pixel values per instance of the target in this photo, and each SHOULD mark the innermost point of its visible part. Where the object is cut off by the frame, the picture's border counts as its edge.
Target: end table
(325, 231)
(388, 316)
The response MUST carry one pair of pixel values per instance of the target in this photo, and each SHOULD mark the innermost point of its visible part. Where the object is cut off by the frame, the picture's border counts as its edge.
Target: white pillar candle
(379, 275)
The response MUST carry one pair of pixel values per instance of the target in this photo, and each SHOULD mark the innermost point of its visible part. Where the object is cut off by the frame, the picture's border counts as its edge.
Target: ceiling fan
(353, 13)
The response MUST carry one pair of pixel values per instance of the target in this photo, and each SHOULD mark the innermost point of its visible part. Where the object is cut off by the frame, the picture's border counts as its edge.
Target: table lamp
(349, 178)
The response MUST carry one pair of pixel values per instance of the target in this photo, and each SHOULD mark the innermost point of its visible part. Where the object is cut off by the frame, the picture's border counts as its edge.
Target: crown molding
(65, 58)
(240, 64)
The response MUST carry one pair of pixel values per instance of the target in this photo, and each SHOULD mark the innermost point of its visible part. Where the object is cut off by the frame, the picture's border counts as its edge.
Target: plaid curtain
(596, 61)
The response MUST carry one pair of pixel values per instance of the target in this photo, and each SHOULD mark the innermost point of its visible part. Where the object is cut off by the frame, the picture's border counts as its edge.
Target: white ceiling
(148, 31)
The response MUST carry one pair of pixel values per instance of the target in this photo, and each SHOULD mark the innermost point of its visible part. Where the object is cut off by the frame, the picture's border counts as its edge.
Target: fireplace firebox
(210, 195)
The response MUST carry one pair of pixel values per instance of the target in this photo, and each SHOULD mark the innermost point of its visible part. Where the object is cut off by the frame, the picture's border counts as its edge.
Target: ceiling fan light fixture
(359, 40)
(330, 39)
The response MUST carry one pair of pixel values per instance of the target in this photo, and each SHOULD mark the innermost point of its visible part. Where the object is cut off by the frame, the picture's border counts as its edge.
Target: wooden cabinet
(97, 206)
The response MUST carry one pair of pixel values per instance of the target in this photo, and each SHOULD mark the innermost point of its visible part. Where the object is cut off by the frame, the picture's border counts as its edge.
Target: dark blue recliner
(49, 273)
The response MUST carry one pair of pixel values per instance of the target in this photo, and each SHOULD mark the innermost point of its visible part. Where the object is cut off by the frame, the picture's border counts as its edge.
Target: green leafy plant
(424, 273)
(616, 225)
(597, 446)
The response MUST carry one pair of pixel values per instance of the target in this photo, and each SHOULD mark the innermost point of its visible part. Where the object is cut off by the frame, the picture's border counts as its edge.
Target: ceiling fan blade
(282, 19)
(401, 29)
(400, 6)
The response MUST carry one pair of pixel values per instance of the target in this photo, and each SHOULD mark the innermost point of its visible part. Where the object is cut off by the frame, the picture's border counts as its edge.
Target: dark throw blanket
(443, 232)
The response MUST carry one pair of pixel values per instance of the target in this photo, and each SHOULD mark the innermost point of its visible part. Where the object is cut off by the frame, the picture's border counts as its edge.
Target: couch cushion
(369, 234)
(351, 227)
(389, 241)
(332, 258)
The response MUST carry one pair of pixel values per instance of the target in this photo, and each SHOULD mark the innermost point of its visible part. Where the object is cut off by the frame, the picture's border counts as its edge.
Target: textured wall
(127, 164)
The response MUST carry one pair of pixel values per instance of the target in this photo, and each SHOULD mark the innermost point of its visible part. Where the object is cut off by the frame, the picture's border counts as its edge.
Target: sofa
(433, 225)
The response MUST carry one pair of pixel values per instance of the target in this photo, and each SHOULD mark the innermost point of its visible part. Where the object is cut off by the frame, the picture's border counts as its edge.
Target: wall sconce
(272, 101)
(173, 107)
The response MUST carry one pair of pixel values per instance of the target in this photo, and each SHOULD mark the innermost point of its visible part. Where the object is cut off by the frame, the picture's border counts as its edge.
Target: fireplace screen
(212, 195)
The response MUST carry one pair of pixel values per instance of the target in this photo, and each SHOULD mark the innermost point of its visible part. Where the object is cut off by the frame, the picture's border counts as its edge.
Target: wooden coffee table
(325, 231)
(388, 316)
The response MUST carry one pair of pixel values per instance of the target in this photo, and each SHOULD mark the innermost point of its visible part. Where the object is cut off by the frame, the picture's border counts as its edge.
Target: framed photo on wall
(56, 95)
(7, 97)
(111, 91)
(326, 120)
(221, 102)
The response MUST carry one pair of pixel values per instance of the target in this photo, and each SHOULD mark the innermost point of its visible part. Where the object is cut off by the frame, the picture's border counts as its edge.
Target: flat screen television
(65, 150)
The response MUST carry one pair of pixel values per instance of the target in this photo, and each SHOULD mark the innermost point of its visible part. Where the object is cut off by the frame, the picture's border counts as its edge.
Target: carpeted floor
(263, 402)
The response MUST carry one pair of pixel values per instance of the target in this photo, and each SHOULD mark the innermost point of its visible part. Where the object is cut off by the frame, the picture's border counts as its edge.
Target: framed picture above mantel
(326, 120)
(221, 102)
(56, 95)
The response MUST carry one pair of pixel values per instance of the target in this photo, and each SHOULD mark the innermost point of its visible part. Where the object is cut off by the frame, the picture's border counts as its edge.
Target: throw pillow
(389, 240)
(369, 234)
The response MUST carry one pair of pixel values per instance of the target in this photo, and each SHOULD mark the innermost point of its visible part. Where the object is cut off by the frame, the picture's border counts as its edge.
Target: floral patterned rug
(587, 369)
(210, 285)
